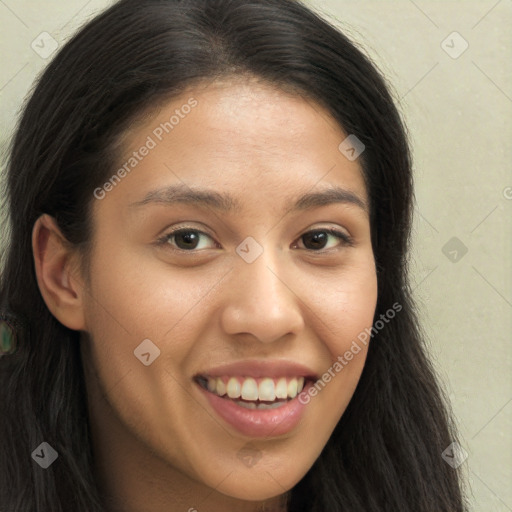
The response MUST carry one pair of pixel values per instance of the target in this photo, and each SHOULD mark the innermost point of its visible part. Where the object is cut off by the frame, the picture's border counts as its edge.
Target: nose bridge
(261, 301)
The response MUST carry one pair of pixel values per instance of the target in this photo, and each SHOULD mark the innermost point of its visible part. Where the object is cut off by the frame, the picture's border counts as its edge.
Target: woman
(205, 293)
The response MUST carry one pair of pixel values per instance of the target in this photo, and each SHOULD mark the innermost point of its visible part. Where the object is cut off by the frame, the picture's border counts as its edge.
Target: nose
(261, 302)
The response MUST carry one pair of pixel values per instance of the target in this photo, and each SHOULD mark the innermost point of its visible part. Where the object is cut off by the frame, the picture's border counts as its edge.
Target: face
(211, 276)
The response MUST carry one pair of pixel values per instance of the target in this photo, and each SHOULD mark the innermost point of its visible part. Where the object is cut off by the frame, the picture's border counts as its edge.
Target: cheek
(344, 313)
(142, 297)
(132, 301)
(344, 303)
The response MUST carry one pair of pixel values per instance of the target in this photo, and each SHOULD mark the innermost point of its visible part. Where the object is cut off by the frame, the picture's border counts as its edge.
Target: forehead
(249, 139)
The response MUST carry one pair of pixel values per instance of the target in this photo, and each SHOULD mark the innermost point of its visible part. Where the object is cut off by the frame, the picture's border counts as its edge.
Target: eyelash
(343, 237)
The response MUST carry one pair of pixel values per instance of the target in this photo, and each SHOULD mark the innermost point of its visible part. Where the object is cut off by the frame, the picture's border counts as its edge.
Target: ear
(56, 271)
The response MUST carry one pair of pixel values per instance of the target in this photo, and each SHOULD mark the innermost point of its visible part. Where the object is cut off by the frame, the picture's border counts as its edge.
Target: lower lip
(258, 422)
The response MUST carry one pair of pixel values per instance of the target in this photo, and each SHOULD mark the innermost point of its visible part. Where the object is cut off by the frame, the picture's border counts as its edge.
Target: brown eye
(317, 239)
(185, 239)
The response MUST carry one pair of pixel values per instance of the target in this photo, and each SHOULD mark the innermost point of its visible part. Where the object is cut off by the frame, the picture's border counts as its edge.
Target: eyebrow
(181, 193)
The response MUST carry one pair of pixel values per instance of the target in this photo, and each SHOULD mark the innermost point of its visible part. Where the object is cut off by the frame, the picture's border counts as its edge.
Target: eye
(319, 238)
(185, 239)
(189, 239)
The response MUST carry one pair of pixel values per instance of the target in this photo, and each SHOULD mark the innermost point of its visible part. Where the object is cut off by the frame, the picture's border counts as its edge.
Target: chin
(256, 485)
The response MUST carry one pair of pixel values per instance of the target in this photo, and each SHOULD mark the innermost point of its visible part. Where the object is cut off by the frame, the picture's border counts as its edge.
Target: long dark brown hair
(385, 453)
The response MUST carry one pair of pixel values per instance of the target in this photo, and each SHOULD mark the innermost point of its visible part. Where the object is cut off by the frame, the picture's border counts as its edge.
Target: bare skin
(158, 444)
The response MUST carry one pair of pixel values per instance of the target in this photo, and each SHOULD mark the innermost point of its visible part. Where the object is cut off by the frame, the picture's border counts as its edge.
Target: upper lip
(259, 369)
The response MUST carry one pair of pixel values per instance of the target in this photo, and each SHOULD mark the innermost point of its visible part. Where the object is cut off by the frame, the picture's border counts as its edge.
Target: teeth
(253, 405)
(270, 406)
(250, 389)
(220, 387)
(282, 388)
(247, 405)
(292, 388)
(267, 389)
(233, 388)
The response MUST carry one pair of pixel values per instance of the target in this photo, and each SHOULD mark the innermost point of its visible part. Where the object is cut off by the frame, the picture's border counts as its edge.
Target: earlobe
(58, 283)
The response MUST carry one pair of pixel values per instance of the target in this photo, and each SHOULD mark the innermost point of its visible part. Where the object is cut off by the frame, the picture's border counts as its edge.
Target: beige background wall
(457, 102)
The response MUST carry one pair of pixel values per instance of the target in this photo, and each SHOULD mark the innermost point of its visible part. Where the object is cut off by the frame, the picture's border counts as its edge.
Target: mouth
(254, 393)
(258, 398)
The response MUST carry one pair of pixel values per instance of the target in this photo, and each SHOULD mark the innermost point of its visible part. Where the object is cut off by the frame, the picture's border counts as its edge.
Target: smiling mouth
(251, 393)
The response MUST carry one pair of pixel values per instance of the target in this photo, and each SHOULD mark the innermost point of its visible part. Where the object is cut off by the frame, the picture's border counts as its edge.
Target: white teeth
(282, 388)
(268, 389)
(233, 388)
(250, 389)
(220, 387)
(292, 388)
